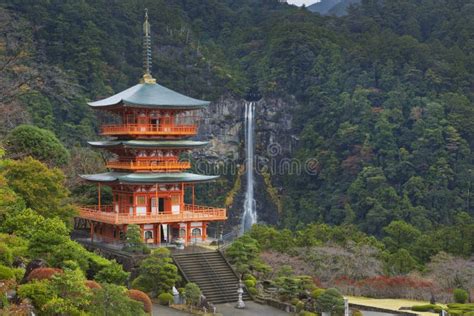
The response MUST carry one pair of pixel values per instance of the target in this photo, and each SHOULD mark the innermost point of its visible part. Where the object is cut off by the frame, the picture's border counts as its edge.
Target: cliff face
(223, 125)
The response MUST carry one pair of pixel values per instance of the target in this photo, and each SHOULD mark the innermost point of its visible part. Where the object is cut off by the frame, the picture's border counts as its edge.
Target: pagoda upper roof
(150, 95)
(181, 144)
(147, 178)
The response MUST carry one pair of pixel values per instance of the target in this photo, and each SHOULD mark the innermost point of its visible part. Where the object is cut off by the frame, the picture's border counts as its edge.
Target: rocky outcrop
(223, 125)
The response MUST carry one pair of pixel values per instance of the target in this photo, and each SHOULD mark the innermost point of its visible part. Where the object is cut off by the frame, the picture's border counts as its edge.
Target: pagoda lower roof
(150, 95)
(147, 178)
(182, 144)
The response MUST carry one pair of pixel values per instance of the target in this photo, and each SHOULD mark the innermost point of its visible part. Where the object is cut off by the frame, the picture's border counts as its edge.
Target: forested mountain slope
(385, 92)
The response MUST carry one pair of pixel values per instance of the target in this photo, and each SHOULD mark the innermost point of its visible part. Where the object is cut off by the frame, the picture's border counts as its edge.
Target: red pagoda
(147, 178)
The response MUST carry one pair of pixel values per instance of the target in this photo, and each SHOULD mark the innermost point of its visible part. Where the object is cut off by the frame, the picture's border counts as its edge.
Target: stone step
(211, 272)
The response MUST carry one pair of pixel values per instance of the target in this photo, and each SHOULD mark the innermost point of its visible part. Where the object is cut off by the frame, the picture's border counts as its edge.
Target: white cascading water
(250, 212)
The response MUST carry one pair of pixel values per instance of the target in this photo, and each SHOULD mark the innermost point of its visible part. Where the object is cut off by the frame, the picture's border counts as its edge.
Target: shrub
(192, 293)
(113, 273)
(315, 293)
(461, 306)
(330, 301)
(92, 284)
(294, 301)
(6, 273)
(248, 276)
(250, 283)
(6, 255)
(96, 263)
(460, 296)
(19, 273)
(38, 291)
(142, 297)
(306, 313)
(43, 273)
(299, 306)
(252, 291)
(165, 298)
(426, 308)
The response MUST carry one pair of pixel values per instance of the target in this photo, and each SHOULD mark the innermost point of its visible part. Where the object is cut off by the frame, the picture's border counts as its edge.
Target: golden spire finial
(147, 78)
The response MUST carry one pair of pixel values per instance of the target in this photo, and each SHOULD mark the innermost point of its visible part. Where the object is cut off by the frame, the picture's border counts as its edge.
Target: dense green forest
(385, 100)
(385, 92)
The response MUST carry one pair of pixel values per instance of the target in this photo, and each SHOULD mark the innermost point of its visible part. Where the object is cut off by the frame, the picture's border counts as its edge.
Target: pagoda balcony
(195, 213)
(149, 130)
(150, 165)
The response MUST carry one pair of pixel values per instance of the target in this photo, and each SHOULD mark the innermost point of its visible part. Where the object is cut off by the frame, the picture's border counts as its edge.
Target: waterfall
(250, 213)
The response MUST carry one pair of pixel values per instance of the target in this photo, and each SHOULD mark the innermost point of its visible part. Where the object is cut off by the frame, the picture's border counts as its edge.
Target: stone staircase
(212, 273)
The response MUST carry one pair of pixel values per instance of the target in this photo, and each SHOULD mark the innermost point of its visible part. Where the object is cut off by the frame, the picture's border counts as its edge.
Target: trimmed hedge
(427, 308)
(165, 298)
(142, 297)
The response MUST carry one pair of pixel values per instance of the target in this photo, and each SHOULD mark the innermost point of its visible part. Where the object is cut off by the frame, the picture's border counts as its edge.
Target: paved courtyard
(251, 309)
(226, 310)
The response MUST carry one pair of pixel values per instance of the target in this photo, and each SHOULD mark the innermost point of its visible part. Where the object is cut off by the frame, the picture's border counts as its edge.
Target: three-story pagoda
(147, 178)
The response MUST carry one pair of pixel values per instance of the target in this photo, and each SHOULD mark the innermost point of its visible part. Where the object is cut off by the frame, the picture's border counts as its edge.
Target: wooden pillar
(142, 230)
(182, 197)
(156, 199)
(204, 231)
(188, 232)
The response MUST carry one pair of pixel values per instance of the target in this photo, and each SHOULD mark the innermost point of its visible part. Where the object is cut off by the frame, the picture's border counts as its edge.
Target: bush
(252, 291)
(19, 273)
(165, 298)
(113, 273)
(96, 263)
(299, 306)
(192, 293)
(330, 301)
(294, 301)
(250, 283)
(38, 291)
(92, 284)
(460, 296)
(317, 292)
(426, 308)
(248, 276)
(306, 313)
(461, 307)
(6, 255)
(6, 273)
(43, 273)
(141, 297)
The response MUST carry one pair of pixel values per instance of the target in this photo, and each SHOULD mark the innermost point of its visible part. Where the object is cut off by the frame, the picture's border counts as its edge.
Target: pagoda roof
(149, 143)
(150, 95)
(147, 178)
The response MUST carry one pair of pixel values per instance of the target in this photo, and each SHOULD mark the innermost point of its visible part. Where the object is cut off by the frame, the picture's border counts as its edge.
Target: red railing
(190, 213)
(149, 165)
(149, 129)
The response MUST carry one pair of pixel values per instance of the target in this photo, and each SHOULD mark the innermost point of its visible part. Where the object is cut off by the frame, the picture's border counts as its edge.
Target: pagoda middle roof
(149, 143)
(147, 178)
(150, 95)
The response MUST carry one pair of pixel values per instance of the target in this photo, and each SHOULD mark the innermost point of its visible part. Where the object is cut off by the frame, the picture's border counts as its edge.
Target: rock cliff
(223, 125)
